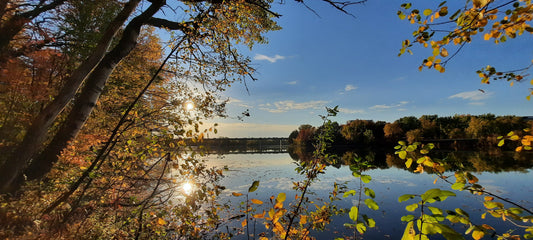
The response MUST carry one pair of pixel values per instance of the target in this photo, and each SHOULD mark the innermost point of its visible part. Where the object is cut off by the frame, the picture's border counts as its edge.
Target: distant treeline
(458, 130)
(223, 144)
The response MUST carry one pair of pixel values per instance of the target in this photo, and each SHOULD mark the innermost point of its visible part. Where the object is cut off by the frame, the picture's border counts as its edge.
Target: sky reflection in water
(276, 174)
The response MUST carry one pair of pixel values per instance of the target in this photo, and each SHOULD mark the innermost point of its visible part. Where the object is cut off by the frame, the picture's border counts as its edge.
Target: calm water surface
(276, 174)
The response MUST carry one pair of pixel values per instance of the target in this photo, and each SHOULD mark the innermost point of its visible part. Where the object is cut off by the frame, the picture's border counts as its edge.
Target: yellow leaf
(444, 52)
(236, 194)
(303, 219)
(435, 181)
(243, 223)
(486, 36)
(478, 234)
(488, 198)
(256, 201)
(161, 221)
(260, 215)
(519, 149)
(263, 238)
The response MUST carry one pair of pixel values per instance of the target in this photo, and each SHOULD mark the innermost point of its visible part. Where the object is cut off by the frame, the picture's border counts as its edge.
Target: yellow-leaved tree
(449, 27)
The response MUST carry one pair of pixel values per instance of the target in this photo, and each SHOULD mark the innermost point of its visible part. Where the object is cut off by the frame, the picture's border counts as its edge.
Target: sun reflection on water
(187, 188)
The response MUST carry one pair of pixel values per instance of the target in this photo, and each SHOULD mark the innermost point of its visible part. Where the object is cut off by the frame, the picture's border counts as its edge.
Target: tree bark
(88, 98)
(36, 134)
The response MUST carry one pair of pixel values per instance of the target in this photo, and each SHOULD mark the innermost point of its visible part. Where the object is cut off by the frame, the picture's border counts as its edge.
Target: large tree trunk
(88, 98)
(36, 134)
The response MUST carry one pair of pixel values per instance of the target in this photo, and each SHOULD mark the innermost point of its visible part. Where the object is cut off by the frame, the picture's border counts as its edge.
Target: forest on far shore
(481, 129)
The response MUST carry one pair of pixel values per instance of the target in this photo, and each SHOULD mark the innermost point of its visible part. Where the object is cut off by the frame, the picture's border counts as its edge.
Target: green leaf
(427, 12)
(490, 204)
(366, 178)
(407, 218)
(405, 197)
(254, 186)
(361, 228)
(281, 197)
(462, 212)
(371, 204)
(458, 186)
(402, 154)
(370, 222)
(411, 148)
(401, 15)
(515, 210)
(436, 194)
(409, 233)
(354, 213)
(369, 192)
(411, 207)
(348, 193)
(408, 162)
(435, 210)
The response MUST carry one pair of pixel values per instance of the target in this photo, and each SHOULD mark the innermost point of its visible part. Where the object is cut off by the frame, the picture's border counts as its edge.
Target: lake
(276, 173)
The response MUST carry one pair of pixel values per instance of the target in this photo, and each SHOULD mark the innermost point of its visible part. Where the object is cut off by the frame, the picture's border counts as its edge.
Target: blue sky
(335, 59)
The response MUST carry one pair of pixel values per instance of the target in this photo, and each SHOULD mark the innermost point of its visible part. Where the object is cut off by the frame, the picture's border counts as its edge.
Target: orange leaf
(161, 221)
(236, 194)
(256, 201)
(260, 215)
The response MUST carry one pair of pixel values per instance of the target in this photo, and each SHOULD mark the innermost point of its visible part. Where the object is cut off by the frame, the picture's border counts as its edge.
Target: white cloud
(267, 58)
(349, 87)
(384, 107)
(477, 103)
(472, 95)
(351, 111)
(238, 102)
(381, 107)
(235, 100)
(292, 83)
(285, 106)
